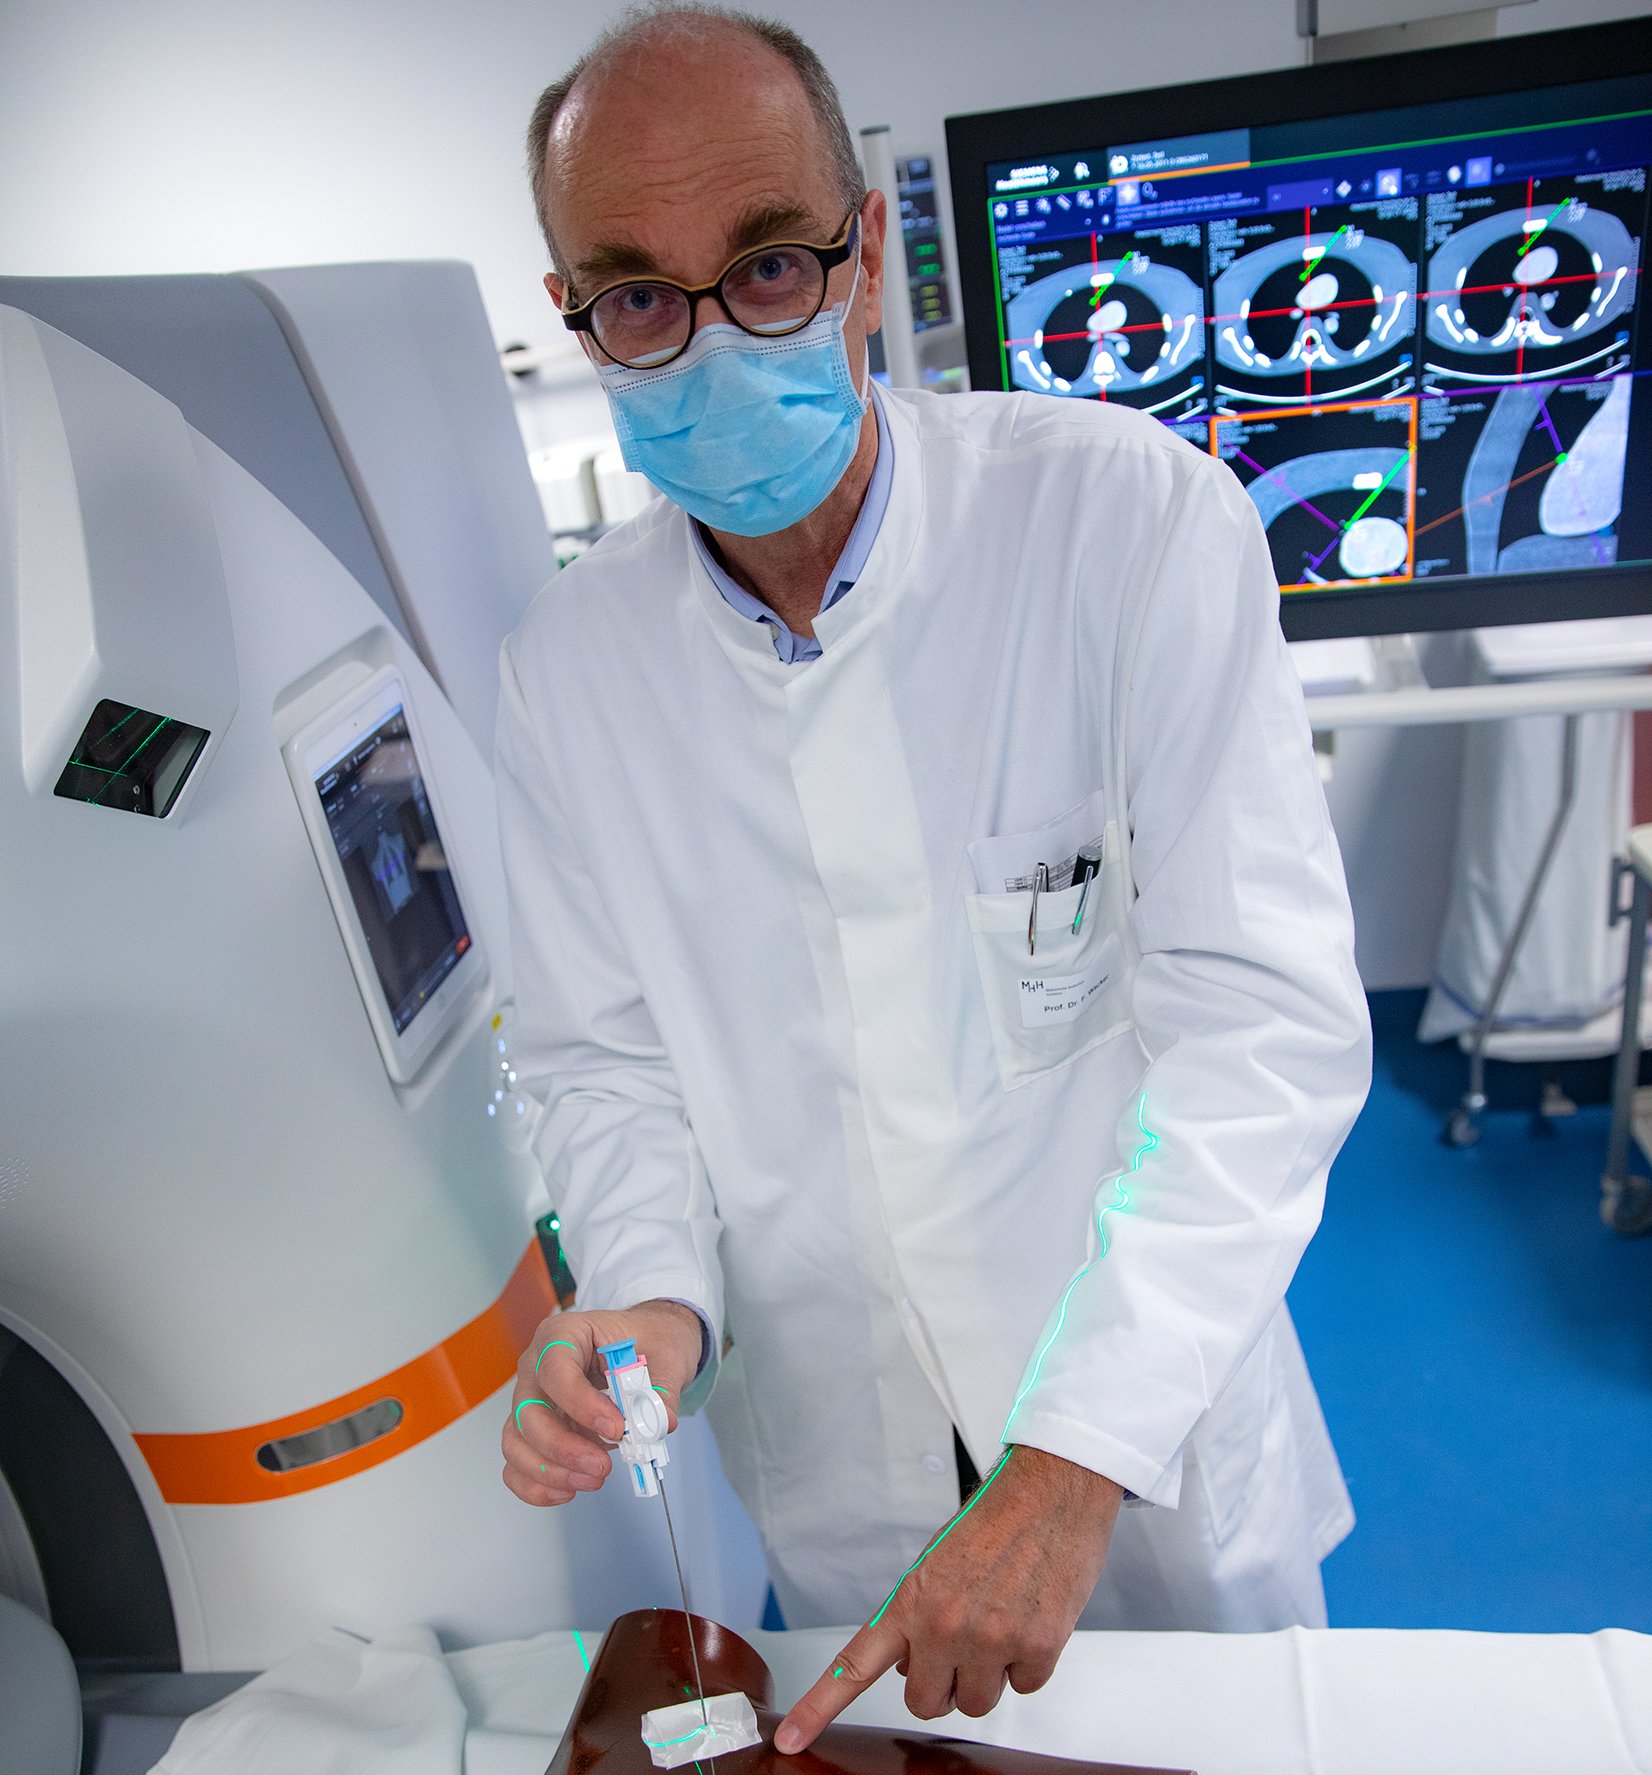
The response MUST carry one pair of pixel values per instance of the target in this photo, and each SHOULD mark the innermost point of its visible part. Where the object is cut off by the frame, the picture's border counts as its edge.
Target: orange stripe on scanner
(433, 1390)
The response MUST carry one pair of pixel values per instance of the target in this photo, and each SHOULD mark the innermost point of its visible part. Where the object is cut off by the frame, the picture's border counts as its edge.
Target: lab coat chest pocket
(1072, 992)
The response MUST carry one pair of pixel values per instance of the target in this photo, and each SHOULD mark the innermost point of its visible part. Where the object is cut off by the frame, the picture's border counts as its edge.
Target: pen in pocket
(1087, 868)
(1040, 883)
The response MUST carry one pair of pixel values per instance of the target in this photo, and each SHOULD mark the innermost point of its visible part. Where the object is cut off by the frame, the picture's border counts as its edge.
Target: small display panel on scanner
(390, 849)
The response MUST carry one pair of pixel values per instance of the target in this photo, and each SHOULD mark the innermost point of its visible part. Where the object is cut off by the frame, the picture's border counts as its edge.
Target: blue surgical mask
(745, 433)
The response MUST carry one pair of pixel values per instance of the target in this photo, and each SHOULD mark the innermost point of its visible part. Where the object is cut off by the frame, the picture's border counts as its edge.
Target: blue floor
(1482, 1346)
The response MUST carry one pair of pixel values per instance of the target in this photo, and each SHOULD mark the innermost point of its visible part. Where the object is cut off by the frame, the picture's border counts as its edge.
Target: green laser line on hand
(583, 1658)
(524, 1406)
(980, 1491)
(555, 1343)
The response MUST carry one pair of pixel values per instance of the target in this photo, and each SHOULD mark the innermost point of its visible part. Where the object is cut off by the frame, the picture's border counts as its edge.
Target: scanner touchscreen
(384, 830)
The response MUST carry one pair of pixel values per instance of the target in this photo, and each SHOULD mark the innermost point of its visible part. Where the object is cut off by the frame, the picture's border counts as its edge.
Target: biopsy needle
(688, 1619)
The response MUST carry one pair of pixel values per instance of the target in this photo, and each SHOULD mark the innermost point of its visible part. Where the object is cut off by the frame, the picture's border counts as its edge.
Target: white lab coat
(776, 1017)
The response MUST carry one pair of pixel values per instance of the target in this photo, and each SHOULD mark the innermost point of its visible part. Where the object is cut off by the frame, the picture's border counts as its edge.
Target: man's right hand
(562, 1421)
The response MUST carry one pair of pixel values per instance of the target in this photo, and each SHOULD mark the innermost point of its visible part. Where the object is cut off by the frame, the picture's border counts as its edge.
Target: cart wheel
(1461, 1129)
(1627, 1207)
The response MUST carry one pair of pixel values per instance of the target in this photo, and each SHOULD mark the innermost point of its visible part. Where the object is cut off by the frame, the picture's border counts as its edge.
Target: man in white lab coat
(929, 938)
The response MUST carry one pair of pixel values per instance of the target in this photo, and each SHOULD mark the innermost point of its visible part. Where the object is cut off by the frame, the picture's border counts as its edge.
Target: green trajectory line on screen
(1150, 1142)
(1314, 258)
(1370, 498)
(1532, 239)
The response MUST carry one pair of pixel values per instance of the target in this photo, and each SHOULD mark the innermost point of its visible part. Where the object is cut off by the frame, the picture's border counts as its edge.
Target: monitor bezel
(308, 753)
(1293, 95)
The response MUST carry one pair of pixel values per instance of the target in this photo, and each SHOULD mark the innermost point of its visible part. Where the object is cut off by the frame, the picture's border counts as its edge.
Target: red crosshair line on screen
(1156, 326)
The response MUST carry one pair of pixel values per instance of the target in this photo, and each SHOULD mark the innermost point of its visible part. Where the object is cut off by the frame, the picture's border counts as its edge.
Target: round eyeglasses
(772, 290)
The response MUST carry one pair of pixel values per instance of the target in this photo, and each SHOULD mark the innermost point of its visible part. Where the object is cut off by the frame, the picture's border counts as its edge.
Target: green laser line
(1376, 490)
(974, 1500)
(524, 1406)
(1150, 1142)
(583, 1658)
(555, 1343)
(838, 1671)
(1308, 269)
(121, 723)
(660, 1744)
(164, 721)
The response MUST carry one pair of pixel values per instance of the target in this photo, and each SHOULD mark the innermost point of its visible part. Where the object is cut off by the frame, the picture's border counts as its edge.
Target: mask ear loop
(864, 392)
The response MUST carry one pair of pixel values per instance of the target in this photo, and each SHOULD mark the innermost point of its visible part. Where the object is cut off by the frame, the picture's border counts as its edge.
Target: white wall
(208, 135)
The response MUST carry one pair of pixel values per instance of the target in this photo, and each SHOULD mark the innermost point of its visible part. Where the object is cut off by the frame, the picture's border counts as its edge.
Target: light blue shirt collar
(798, 649)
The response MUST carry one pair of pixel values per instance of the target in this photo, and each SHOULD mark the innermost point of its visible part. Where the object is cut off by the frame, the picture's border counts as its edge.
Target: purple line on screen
(1268, 474)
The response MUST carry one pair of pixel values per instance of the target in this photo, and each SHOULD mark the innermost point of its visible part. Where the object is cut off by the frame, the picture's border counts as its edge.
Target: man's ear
(874, 222)
(556, 287)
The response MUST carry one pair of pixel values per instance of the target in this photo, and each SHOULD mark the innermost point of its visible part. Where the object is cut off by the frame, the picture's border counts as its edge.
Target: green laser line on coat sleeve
(1150, 1142)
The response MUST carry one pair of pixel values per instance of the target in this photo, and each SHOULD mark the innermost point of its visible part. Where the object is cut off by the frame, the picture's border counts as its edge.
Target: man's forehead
(671, 164)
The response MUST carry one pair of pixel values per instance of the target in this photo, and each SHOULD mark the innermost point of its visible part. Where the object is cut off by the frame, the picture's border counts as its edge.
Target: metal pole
(1626, 1071)
(900, 340)
(1460, 1129)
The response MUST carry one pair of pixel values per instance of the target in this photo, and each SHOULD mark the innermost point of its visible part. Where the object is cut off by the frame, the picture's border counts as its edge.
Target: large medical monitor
(361, 784)
(1402, 298)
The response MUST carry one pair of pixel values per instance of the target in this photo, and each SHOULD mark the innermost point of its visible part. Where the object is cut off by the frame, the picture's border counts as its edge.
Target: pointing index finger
(867, 1656)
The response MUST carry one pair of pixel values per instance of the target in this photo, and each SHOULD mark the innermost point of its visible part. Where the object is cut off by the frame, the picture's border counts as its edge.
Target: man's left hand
(993, 1601)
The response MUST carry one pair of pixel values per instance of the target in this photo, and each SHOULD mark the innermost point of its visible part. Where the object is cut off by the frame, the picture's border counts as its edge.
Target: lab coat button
(933, 1464)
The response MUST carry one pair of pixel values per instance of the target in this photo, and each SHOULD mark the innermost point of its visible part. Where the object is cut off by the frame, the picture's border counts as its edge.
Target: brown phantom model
(645, 1663)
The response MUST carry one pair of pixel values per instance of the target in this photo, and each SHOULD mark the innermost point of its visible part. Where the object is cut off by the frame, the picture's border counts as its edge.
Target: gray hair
(645, 25)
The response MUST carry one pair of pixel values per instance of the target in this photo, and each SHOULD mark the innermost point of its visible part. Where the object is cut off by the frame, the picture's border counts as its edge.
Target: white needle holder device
(642, 1447)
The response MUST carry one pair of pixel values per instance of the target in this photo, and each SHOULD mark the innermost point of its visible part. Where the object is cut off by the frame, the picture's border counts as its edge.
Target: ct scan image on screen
(384, 830)
(1422, 353)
